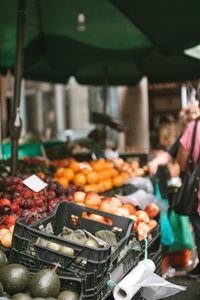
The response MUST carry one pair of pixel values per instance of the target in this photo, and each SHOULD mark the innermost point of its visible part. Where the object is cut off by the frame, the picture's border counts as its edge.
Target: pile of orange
(97, 176)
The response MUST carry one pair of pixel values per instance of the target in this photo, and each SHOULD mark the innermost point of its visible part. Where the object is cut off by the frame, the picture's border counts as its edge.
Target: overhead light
(81, 22)
(193, 52)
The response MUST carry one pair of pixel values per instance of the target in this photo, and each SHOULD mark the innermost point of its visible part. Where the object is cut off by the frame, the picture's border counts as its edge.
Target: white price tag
(35, 183)
(82, 166)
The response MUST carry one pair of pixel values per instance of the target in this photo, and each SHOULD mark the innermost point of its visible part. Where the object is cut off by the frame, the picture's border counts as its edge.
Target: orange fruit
(97, 166)
(85, 171)
(92, 177)
(88, 188)
(108, 165)
(59, 172)
(63, 181)
(6, 239)
(75, 166)
(95, 188)
(79, 179)
(101, 187)
(114, 172)
(69, 173)
(42, 175)
(125, 175)
(118, 180)
(108, 184)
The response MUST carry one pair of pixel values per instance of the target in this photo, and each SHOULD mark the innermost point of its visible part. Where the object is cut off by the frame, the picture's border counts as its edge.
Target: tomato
(79, 197)
(117, 201)
(108, 206)
(142, 216)
(97, 218)
(130, 207)
(92, 199)
(123, 212)
(152, 210)
(143, 230)
(152, 223)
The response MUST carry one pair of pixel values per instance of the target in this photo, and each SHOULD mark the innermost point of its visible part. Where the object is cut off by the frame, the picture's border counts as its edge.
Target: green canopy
(146, 38)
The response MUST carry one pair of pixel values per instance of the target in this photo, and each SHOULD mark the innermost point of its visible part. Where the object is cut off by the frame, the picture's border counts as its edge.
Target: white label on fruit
(82, 166)
(35, 183)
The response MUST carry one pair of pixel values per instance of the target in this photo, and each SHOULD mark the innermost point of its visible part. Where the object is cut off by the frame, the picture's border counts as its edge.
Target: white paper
(35, 183)
(153, 286)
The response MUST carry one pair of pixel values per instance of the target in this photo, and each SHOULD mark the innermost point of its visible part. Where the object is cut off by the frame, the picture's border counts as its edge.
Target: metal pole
(15, 127)
(105, 99)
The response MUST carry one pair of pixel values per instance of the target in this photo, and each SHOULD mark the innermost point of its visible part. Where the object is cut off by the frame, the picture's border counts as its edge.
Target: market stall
(85, 219)
(88, 271)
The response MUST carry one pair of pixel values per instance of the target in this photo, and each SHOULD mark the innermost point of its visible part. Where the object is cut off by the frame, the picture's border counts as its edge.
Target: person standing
(182, 159)
(189, 113)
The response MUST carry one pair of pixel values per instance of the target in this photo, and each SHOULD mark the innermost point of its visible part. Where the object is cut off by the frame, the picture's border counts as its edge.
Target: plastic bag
(142, 198)
(142, 276)
(141, 183)
(167, 236)
(182, 233)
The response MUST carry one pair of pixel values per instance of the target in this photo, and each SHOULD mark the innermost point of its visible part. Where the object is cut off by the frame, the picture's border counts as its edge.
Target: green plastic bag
(183, 239)
(167, 235)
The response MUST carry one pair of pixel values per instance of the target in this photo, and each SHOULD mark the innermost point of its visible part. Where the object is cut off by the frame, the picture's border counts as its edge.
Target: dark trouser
(195, 220)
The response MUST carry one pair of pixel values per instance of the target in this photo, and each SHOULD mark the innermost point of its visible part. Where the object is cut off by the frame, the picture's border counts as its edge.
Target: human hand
(153, 167)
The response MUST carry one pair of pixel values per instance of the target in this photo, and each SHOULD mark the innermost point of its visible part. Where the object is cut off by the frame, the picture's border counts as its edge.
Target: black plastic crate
(153, 235)
(86, 260)
(103, 291)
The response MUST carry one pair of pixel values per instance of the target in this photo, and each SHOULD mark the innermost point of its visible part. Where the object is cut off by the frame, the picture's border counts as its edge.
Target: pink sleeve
(186, 139)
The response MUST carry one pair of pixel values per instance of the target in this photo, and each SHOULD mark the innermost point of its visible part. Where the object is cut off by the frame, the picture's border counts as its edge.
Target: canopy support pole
(16, 124)
(105, 99)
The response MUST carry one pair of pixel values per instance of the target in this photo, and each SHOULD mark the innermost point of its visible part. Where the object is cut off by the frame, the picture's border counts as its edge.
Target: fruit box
(103, 291)
(85, 260)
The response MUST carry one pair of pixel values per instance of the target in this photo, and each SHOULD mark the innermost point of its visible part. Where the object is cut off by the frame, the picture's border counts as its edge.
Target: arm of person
(182, 158)
(185, 147)
(162, 159)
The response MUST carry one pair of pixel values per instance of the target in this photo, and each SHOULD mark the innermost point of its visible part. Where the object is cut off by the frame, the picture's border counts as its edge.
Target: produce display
(17, 200)
(17, 282)
(97, 176)
(144, 219)
(39, 268)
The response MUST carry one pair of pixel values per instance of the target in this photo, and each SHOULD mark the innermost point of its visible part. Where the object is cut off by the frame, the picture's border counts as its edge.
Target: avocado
(21, 296)
(3, 259)
(68, 295)
(45, 283)
(15, 278)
